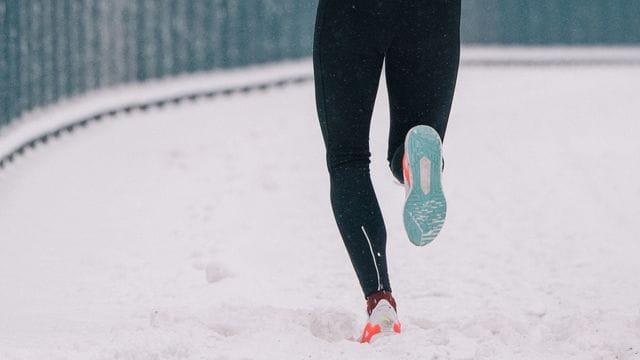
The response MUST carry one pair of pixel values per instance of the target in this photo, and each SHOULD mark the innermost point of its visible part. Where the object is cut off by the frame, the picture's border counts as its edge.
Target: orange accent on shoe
(369, 332)
(396, 327)
(405, 170)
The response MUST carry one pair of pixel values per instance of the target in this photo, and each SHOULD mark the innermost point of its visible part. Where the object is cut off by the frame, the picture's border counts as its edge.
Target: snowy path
(203, 231)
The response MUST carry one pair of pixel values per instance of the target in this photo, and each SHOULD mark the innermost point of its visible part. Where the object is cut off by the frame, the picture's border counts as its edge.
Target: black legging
(420, 44)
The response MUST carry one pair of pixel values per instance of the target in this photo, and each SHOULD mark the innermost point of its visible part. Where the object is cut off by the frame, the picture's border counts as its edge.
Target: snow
(204, 231)
(551, 55)
(102, 101)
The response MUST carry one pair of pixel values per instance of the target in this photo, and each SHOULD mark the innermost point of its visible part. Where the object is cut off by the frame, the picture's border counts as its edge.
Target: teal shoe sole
(425, 208)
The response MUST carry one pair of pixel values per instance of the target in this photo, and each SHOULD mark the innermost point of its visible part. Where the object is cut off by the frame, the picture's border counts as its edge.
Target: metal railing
(53, 49)
(544, 22)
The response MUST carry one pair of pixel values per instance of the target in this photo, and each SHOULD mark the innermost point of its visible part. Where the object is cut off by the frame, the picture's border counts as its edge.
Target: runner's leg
(347, 67)
(421, 70)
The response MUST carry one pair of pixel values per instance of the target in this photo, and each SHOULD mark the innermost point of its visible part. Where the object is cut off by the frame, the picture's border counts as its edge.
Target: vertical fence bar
(43, 53)
(285, 30)
(176, 36)
(37, 51)
(81, 40)
(111, 50)
(246, 50)
(140, 33)
(32, 49)
(67, 73)
(129, 42)
(24, 55)
(158, 38)
(16, 69)
(13, 57)
(191, 35)
(47, 57)
(259, 27)
(27, 57)
(76, 45)
(221, 39)
(209, 39)
(4, 64)
(173, 39)
(96, 47)
(203, 35)
(55, 50)
(183, 37)
(197, 20)
(88, 51)
(74, 66)
(231, 33)
(269, 28)
(293, 44)
(151, 48)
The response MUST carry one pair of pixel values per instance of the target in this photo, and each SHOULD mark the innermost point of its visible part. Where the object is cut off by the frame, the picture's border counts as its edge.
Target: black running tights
(419, 42)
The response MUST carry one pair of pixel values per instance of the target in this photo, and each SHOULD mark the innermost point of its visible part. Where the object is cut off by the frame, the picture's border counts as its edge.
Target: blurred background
(56, 49)
(164, 194)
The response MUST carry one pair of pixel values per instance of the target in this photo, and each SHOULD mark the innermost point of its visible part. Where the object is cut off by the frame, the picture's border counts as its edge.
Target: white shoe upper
(384, 315)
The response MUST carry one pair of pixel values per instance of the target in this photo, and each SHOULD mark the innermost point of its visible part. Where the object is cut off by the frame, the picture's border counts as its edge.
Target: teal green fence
(542, 22)
(54, 49)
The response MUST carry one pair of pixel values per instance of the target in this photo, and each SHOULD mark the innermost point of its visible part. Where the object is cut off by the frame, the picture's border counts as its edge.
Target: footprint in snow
(331, 326)
(216, 272)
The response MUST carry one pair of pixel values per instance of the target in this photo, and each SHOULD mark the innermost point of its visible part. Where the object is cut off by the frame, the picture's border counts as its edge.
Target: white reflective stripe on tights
(373, 256)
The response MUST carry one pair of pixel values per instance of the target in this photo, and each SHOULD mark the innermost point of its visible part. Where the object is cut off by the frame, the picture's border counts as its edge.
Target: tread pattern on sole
(424, 213)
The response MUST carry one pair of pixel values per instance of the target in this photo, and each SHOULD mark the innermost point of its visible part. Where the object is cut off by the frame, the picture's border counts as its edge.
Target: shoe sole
(425, 208)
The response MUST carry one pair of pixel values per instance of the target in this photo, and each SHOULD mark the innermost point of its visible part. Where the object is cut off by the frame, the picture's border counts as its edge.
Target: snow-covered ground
(203, 231)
